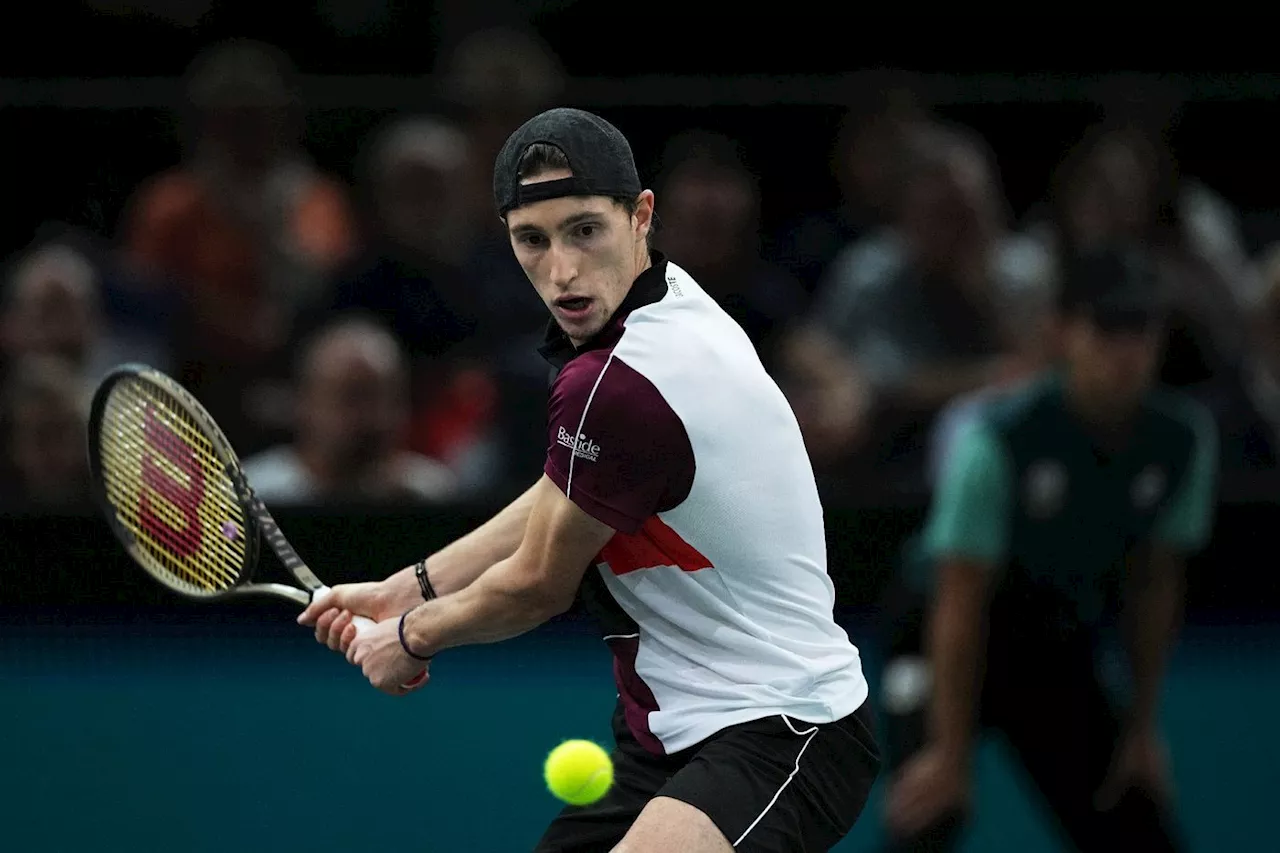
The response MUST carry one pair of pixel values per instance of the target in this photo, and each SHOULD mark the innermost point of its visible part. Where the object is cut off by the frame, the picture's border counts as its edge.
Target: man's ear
(644, 213)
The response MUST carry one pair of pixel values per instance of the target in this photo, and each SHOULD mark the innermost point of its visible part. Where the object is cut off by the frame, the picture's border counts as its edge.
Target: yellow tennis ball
(578, 772)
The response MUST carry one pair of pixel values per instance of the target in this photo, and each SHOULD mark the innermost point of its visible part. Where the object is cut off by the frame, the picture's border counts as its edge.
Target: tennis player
(678, 500)
(1061, 503)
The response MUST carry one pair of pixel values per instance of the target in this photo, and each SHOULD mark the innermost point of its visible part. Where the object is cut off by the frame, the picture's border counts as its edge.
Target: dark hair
(540, 158)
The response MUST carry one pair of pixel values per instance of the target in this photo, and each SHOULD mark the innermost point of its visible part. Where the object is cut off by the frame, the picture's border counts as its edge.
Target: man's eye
(533, 241)
(586, 230)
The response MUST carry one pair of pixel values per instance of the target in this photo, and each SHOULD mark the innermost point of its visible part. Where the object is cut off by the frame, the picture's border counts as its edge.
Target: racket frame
(259, 522)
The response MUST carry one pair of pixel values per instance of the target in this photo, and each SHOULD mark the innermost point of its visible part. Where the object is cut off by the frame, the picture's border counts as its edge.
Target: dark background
(77, 77)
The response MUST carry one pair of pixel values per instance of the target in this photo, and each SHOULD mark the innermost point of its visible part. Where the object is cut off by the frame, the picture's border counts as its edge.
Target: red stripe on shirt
(653, 545)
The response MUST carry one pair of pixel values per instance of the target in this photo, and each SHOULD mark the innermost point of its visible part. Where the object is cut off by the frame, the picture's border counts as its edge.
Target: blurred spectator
(497, 79)
(43, 417)
(709, 207)
(412, 275)
(247, 227)
(53, 306)
(1208, 223)
(1248, 412)
(350, 419)
(494, 80)
(1121, 183)
(944, 301)
(886, 108)
(410, 271)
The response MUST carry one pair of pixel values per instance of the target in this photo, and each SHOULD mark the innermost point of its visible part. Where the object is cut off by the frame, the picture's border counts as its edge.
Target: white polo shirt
(714, 593)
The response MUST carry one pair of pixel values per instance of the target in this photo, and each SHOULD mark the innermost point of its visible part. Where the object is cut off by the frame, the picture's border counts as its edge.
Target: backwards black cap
(1117, 287)
(599, 157)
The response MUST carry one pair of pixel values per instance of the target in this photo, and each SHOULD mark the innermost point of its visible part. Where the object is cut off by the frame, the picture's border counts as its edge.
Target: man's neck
(644, 260)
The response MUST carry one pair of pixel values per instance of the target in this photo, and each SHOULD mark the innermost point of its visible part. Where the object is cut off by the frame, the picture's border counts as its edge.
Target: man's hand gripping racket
(175, 495)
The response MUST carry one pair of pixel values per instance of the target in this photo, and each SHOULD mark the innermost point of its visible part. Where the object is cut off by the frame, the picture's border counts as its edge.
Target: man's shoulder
(580, 375)
(611, 388)
(1033, 399)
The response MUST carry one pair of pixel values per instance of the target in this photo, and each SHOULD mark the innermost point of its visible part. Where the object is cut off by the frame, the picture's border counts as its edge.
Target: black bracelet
(420, 571)
(408, 651)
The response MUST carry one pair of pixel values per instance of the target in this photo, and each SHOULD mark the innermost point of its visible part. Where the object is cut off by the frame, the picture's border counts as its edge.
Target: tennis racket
(175, 495)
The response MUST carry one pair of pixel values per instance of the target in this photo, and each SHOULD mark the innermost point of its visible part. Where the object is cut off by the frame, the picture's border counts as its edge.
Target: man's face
(947, 211)
(415, 199)
(1111, 197)
(350, 409)
(708, 214)
(1114, 363)
(51, 315)
(581, 253)
(867, 160)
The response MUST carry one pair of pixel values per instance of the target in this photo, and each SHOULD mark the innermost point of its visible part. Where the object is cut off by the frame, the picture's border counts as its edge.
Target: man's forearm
(955, 649)
(1155, 615)
(499, 605)
(458, 564)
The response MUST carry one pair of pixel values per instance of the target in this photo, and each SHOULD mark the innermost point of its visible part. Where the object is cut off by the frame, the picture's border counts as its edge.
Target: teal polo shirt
(1026, 490)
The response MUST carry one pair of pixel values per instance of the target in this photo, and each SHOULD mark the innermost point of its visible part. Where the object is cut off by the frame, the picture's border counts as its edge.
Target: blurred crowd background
(352, 314)
(288, 207)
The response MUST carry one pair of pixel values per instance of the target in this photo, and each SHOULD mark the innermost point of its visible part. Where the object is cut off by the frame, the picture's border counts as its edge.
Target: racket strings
(170, 490)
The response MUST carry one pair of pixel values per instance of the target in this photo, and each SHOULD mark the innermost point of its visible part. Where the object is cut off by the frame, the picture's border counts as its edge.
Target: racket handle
(363, 623)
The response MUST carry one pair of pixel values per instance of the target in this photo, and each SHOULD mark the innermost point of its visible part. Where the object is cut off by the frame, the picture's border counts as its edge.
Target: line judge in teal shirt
(1081, 492)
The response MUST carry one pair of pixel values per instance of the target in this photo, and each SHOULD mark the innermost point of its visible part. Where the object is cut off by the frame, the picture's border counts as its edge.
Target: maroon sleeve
(629, 456)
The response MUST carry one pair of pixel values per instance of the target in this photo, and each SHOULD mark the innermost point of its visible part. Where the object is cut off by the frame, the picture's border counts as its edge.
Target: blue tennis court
(155, 738)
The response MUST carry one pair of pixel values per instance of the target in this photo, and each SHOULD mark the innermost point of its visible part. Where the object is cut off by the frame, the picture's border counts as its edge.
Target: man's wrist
(415, 633)
(425, 588)
(955, 753)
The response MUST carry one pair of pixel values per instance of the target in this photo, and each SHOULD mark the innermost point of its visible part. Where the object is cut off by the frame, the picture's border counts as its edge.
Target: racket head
(170, 484)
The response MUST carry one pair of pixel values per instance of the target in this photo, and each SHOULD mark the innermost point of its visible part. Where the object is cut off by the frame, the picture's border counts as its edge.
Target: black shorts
(772, 785)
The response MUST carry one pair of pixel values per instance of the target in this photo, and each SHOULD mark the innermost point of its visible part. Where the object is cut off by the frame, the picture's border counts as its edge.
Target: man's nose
(562, 266)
